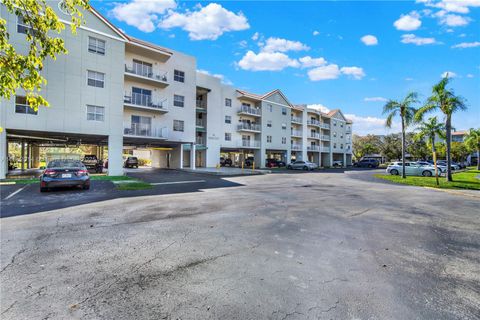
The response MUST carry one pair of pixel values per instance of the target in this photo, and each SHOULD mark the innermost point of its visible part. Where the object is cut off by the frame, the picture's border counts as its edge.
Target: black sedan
(64, 173)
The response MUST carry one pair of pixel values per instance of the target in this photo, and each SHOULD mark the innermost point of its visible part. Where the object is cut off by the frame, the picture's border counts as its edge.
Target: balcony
(296, 133)
(314, 135)
(200, 122)
(325, 138)
(313, 148)
(325, 126)
(296, 147)
(245, 110)
(253, 127)
(143, 74)
(324, 149)
(252, 144)
(144, 102)
(144, 131)
(200, 141)
(297, 120)
(201, 106)
(313, 123)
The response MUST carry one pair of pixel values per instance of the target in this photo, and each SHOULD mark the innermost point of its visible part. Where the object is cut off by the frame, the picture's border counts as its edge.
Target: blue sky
(334, 54)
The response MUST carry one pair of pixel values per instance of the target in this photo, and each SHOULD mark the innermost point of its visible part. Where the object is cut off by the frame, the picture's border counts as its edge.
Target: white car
(441, 168)
(302, 165)
(411, 169)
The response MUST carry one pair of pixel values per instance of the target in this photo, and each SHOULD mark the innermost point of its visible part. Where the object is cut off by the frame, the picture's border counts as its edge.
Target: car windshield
(90, 158)
(65, 164)
(132, 158)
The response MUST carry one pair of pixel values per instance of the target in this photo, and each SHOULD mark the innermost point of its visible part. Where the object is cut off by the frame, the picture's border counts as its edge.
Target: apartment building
(121, 93)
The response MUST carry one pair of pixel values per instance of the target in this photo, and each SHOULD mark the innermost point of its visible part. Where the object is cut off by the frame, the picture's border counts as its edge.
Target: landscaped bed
(462, 180)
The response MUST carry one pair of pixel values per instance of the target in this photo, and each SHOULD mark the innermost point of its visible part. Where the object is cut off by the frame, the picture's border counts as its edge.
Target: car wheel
(426, 173)
(86, 187)
(289, 167)
(305, 168)
(370, 166)
(394, 172)
(43, 189)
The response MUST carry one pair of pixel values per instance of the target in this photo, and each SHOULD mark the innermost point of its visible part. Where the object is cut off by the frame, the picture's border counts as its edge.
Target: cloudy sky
(352, 55)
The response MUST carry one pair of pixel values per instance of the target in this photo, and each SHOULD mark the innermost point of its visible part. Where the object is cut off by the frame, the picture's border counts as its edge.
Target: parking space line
(176, 182)
(15, 192)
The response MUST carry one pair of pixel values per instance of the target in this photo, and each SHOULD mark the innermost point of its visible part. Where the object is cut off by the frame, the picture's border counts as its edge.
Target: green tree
(406, 112)
(391, 147)
(417, 148)
(459, 151)
(448, 103)
(472, 141)
(23, 71)
(429, 130)
(362, 146)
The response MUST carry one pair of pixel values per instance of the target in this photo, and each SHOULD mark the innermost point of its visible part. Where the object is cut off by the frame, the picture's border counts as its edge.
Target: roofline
(148, 45)
(108, 23)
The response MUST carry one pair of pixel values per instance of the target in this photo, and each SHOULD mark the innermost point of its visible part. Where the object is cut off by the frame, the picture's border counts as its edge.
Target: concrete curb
(455, 192)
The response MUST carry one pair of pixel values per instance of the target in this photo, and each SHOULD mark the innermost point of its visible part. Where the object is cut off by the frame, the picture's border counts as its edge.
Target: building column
(29, 154)
(3, 154)
(35, 156)
(115, 149)
(330, 159)
(192, 156)
(22, 146)
(344, 160)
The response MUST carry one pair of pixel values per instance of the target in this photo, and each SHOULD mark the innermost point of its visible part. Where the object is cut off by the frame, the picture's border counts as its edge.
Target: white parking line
(176, 182)
(14, 193)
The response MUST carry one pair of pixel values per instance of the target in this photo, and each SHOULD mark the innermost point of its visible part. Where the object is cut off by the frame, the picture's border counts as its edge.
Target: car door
(409, 170)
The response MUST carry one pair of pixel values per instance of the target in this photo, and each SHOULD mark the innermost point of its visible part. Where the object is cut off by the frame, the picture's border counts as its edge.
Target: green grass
(462, 180)
(21, 181)
(140, 185)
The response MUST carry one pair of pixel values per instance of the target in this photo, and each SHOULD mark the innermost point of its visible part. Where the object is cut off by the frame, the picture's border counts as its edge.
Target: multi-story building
(117, 92)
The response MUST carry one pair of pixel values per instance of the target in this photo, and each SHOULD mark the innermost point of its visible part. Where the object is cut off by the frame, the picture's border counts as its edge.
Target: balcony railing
(296, 147)
(249, 144)
(144, 130)
(250, 111)
(313, 148)
(314, 135)
(201, 104)
(313, 122)
(146, 72)
(296, 133)
(144, 100)
(296, 120)
(249, 127)
(325, 126)
(325, 149)
(200, 141)
(325, 137)
(200, 122)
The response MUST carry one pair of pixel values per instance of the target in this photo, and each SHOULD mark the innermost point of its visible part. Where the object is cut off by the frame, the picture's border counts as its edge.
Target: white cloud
(266, 61)
(282, 45)
(142, 14)
(309, 62)
(450, 74)
(208, 23)
(470, 75)
(354, 72)
(316, 33)
(255, 36)
(318, 106)
(371, 125)
(369, 40)
(375, 99)
(409, 79)
(243, 44)
(464, 45)
(454, 20)
(326, 72)
(457, 6)
(411, 38)
(408, 22)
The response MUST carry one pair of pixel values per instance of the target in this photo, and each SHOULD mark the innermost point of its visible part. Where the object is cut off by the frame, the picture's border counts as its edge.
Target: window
(284, 126)
(22, 26)
(269, 139)
(341, 124)
(270, 108)
(95, 113)
(269, 123)
(178, 125)
(341, 136)
(284, 111)
(142, 68)
(228, 102)
(178, 101)
(335, 145)
(341, 146)
(21, 106)
(95, 79)
(334, 134)
(334, 123)
(96, 46)
(284, 140)
(228, 119)
(178, 76)
(228, 136)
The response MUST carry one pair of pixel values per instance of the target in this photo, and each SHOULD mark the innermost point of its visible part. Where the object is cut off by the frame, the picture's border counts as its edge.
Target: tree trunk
(435, 159)
(448, 126)
(404, 176)
(478, 159)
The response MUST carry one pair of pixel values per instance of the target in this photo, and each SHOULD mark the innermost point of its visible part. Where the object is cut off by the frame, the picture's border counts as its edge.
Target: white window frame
(228, 119)
(179, 77)
(24, 25)
(96, 79)
(25, 106)
(284, 140)
(178, 101)
(95, 48)
(228, 136)
(284, 126)
(269, 123)
(269, 139)
(284, 110)
(179, 125)
(228, 102)
(97, 116)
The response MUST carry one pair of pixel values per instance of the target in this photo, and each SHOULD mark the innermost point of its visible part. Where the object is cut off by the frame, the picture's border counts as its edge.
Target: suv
(249, 161)
(225, 162)
(131, 162)
(337, 164)
(91, 162)
(367, 163)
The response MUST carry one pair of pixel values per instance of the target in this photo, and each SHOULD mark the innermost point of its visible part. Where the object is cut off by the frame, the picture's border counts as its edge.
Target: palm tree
(429, 130)
(472, 141)
(448, 103)
(406, 111)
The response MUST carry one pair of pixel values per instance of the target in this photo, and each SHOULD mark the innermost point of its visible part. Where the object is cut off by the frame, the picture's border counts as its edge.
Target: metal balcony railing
(325, 137)
(313, 148)
(325, 149)
(314, 135)
(325, 126)
(296, 133)
(201, 104)
(249, 144)
(200, 122)
(200, 141)
(147, 72)
(296, 147)
(144, 100)
(249, 110)
(313, 122)
(249, 127)
(296, 119)
(144, 130)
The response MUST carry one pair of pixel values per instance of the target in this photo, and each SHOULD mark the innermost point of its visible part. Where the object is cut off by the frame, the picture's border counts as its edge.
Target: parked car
(274, 163)
(131, 162)
(411, 169)
(337, 164)
(302, 165)
(92, 163)
(367, 163)
(444, 163)
(225, 162)
(249, 161)
(63, 173)
(441, 169)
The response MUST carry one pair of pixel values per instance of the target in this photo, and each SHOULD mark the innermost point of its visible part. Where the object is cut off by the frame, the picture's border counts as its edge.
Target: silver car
(411, 169)
(302, 165)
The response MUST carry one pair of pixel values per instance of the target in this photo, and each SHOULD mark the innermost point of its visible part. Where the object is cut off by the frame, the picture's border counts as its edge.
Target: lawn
(133, 185)
(461, 180)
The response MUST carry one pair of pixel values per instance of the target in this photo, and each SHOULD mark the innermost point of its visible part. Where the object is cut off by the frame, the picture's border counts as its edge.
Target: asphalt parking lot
(321, 245)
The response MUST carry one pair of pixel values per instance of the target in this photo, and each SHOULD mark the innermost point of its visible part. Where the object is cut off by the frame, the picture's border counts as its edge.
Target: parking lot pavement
(280, 246)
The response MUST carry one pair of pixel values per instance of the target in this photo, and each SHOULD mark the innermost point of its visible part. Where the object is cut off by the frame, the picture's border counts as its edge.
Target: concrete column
(35, 156)
(192, 156)
(3, 154)
(344, 160)
(260, 157)
(29, 154)
(22, 146)
(115, 161)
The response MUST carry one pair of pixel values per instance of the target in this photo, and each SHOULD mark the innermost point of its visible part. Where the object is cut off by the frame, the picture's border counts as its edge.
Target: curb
(455, 192)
